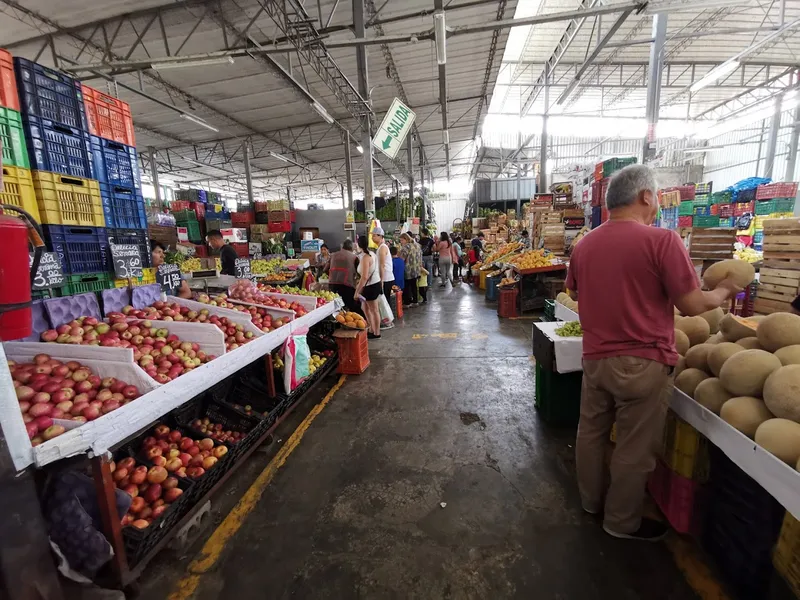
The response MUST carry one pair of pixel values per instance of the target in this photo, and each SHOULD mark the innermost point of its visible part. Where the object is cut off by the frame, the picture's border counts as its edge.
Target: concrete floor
(444, 414)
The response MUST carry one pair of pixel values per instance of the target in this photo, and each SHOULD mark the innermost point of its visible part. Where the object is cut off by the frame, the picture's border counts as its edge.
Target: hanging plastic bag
(296, 355)
(387, 318)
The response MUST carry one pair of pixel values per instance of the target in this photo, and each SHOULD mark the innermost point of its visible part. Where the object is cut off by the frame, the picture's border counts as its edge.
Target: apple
(156, 474)
(206, 444)
(186, 443)
(195, 472)
(160, 461)
(209, 462)
(40, 359)
(219, 451)
(173, 453)
(140, 524)
(153, 493)
(152, 453)
(185, 459)
(139, 475)
(120, 474)
(130, 392)
(161, 431)
(65, 395)
(90, 413)
(172, 494)
(127, 463)
(78, 419)
(81, 374)
(149, 442)
(169, 483)
(173, 464)
(137, 504)
(53, 431)
(40, 410)
(40, 398)
(25, 393)
(174, 436)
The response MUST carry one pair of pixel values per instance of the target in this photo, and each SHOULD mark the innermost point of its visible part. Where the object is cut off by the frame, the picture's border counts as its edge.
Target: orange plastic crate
(8, 84)
(353, 351)
(108, 117)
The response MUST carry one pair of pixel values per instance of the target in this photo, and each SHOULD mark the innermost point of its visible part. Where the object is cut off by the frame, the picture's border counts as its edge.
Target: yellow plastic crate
(482, 284)
(66, 200)
(613, 435)
(148, 277)
(786, 556)
(685, 450)
(17, 190)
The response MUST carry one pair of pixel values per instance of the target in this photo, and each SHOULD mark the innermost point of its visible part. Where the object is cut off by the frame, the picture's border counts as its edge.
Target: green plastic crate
(686, 208)
(703, 201)
(550, 310)
(705, 221)
(775, 205)
(558, 396)
(612, 165)
(193, 228)
(185, 215)
(15, 151)
(721, 198)
(88, 282)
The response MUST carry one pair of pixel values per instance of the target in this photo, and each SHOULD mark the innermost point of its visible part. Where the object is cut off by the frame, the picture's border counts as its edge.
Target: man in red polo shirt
(628, 277)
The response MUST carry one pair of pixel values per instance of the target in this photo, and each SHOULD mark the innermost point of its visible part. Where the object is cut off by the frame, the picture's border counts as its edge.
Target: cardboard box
(309, 256)
(240, 234)
(311, 245)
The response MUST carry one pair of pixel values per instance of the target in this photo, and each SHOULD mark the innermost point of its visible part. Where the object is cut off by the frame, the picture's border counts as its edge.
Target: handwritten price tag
(242, 266)
(48, 274)
(168, 277)
(127, 260)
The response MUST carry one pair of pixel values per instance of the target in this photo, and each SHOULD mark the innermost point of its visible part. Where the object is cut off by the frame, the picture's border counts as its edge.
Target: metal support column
(438, 6)
(410, 152)
(248, 178)
(655, 69)
(363, 90)
(422, 192)
(772, 140)
(794, 138)
(543, 152)
(348, 173)
(154, 173)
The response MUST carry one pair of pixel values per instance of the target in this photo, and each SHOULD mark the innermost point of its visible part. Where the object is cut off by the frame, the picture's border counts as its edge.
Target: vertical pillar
(348, 173)
(248, 178)
(655, 69)
(791, 160)
(410, 153)
(543, 152)
(154, 173)
(772, 139)
(363, 90)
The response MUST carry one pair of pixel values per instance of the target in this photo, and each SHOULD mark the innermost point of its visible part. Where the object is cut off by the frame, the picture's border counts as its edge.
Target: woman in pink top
(445, 249)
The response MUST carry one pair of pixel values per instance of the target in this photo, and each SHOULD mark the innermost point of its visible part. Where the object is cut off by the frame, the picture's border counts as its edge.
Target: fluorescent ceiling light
(440, 35)
(280, 157)
(715, 74)
(322, 112)
(192, 62)
(702, 150)
(199, 121)
(445, 137)
(360, 148)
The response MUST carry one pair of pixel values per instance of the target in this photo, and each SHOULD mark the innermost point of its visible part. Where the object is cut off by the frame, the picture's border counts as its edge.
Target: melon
(562, 297)
(741, 272)
(779, 330)
(789, 355)
(689, 379)
(680, 366)
(713, 317)
(780, 437)
(782, 392)
(717, 338)
(745, 413)
(695, 328)
(720, 353)
(676, 318)
(744, 373)
(750, 343)
(697, 356)
(711, 394)
(682, 344)
(735, 328)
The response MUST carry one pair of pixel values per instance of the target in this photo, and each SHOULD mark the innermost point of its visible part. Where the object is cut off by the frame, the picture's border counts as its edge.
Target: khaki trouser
(636, 392)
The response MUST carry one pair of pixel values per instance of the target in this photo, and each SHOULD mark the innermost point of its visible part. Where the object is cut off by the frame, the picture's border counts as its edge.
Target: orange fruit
(340, 318)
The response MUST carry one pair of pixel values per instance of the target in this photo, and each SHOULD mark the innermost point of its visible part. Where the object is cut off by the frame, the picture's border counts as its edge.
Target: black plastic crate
(218, 412)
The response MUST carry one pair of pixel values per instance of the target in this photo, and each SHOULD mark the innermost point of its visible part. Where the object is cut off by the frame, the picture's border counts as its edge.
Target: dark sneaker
(372, 336)
(649, 531)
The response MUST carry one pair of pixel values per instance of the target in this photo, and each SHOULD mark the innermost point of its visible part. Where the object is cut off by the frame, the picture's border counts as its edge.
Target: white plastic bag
(296, 355)
(387, 318)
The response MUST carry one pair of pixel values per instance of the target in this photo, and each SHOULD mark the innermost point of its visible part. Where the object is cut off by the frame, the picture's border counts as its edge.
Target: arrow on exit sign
(394, 128)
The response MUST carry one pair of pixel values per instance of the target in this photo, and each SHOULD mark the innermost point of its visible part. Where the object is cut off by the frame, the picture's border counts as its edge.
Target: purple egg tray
(39, 321)
(114, 300)
(145, 295)
(63, 310)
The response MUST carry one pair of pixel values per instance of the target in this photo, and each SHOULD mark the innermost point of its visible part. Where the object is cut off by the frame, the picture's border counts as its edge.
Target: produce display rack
(532, 286)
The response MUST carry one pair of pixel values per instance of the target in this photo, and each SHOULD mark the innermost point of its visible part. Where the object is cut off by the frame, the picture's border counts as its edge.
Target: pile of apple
(322, 296)
(152, 491)
(246, 291)
(168, 449)
(48, 389)
(216, 431)
(258, 315)
(235, 335)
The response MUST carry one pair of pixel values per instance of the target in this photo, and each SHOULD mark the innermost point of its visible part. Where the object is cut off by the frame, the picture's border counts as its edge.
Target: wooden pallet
(712, 243)
(764, 306)
(782, 244)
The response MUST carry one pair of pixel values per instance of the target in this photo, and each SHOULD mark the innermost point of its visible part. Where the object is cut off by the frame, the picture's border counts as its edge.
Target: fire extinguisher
(17, 271)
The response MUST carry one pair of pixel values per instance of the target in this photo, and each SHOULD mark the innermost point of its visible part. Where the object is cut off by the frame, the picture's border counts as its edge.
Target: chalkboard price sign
(49, 274)
(168, 277)
(242, 266)
(127, 260)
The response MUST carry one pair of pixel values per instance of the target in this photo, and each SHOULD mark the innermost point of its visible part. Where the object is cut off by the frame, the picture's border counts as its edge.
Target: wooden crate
(776, 290)
(712, 243)
(782, 244)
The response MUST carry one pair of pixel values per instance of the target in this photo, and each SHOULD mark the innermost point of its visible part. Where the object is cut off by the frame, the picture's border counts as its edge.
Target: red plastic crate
(262, 206)
(240, 219)
(200, 251)
(108, 117)
(743, 208)
(685, 221)
(725, 210)
(279, 227)
(687, 192)
(8, 83)
(599, 189)
(176, 205)
(242, 249)
(714, 210)
(776, 190)
(507, 303)
(353, 353)
(678, 498)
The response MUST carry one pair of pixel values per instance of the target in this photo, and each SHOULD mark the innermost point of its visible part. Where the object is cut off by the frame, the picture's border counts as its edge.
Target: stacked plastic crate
(189, 210)
(773, 201)
(280, 220)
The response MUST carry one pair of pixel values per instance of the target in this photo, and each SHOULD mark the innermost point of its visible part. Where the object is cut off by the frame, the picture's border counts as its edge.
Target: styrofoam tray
(210, 339)
(307, 302)
(234, 316)
(276, 313)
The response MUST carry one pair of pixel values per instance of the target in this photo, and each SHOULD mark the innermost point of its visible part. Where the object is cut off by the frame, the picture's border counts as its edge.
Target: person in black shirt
(426, 242)
(227, 255)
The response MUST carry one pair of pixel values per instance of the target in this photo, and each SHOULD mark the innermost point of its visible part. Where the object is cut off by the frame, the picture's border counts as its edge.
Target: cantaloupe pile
(565, 299)
(748, 373)
(351, 319)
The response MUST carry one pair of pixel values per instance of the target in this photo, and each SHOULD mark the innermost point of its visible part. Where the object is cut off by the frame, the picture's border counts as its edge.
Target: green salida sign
(394, 128)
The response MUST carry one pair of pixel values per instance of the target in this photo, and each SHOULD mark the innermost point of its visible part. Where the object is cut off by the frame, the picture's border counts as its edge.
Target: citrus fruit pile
(352, 320)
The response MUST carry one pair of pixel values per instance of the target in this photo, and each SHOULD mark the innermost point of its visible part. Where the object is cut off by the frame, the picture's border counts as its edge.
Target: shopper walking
(458, 254)
(369, 287)
(427, 244)
(384, 262)
(445, 248)
(411, 252)
(628, 277)
(341, 268)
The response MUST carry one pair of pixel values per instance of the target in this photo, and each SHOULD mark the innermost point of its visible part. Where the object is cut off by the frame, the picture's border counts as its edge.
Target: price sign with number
(168, 277)
(48, 274)
(242, 266)
(127, 260)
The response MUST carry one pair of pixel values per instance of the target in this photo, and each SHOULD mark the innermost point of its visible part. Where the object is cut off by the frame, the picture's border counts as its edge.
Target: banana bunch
(748, 255)
(265, 267)
(533, 259)
(190, 264)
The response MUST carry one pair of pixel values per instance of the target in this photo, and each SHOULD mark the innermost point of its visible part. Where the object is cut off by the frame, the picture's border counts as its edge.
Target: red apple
(161, 431)
(139, 475)
(137, 504)
(156, 474)
(127, 463)
(219, 451)
(185, 459)
(90, 413)
(172, 494)
(152, 452)
(153, 493)
(160, 461)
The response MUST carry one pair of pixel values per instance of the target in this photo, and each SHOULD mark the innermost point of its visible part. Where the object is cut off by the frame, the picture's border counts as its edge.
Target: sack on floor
(385, 310)
(296, 355)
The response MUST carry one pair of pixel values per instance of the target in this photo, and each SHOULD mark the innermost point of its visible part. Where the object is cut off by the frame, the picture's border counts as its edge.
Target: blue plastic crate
(56, 148)
(727, 221)
(138, 237)
(123, 207)
(222, 215)
(82, 250)
(48, 94)
(115, 163)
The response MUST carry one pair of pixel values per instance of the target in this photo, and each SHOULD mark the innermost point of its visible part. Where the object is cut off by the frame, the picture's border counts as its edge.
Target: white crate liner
(102, 434)
(234, 316)
(562, 313)
(210, 339)
(568, 350)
